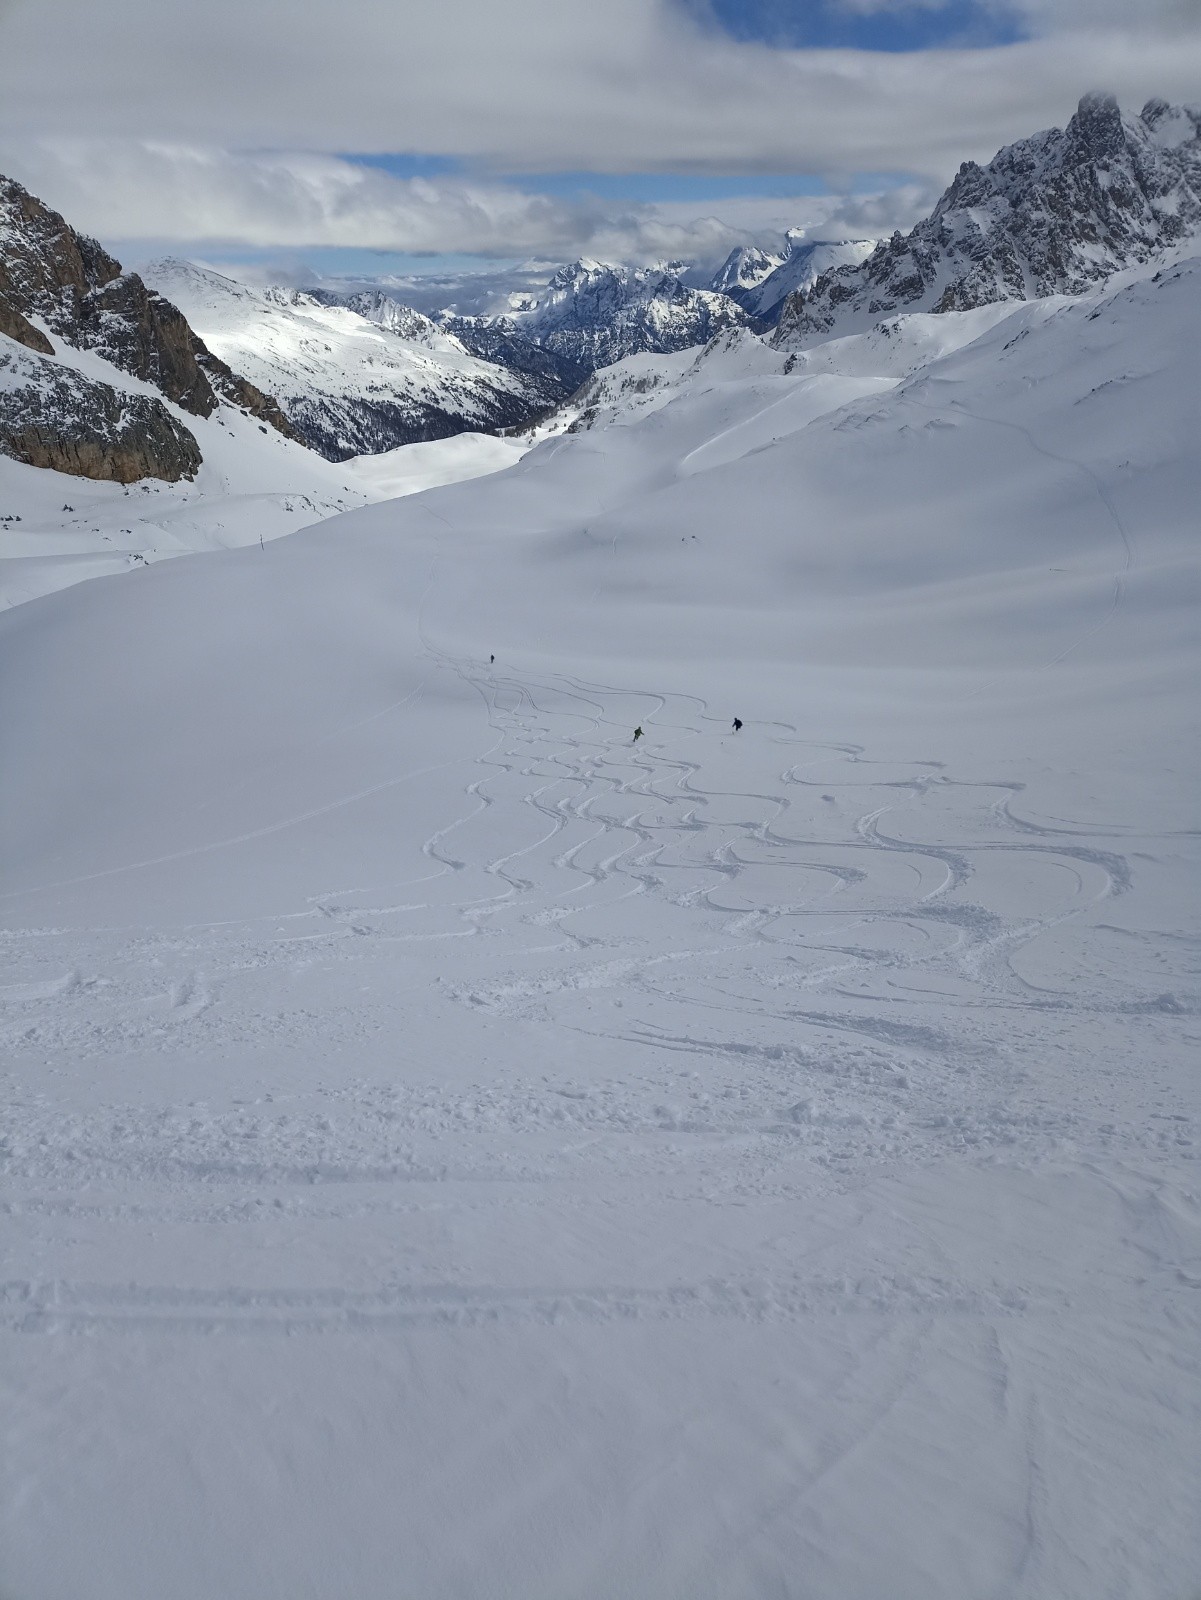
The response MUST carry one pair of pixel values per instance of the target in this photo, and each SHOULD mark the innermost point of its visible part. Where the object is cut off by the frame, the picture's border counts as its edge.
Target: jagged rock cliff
(56, 283)
(53, 416)
(1053, 214)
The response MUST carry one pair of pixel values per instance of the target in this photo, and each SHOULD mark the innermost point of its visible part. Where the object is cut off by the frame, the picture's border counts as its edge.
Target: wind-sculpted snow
(457, 1149)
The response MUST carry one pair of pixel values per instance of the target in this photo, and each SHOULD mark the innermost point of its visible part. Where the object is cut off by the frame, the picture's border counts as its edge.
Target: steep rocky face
(46, 268)
(17, 327)
(591, 315)
(78, 290)
(1053, 214)
(554, 376)
(52, 416)
(146, 336)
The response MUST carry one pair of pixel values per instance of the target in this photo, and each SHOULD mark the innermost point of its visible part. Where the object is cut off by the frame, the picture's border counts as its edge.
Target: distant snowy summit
(592, 314)
(761, 282)
(1053, 214)
(361, 372)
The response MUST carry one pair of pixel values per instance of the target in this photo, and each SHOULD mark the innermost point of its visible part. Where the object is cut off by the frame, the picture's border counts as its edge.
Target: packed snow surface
(455, 1150)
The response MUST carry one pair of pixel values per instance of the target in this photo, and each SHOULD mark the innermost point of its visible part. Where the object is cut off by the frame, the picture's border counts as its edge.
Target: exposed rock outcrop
(17, 327)
(52, 416)
(73, 286)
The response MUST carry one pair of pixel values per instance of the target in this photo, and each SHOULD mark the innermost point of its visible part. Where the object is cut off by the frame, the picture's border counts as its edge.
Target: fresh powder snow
(455, 1150)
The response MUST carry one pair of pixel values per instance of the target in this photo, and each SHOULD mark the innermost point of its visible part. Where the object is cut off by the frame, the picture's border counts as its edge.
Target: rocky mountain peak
(1051, 214)
(56, 283)
(47, 270)
(592, 314)
(744, 268)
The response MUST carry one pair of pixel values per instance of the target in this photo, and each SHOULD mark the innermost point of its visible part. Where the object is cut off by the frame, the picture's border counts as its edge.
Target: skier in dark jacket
(637, 734)
(737, 724)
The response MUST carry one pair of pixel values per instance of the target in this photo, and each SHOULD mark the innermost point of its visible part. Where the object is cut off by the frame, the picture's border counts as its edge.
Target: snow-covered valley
(253, 487)
(455, 1148)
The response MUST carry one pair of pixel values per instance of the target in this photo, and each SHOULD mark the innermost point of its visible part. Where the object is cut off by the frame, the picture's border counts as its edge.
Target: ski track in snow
(712, 1167)
(800, 983)
(563, 823)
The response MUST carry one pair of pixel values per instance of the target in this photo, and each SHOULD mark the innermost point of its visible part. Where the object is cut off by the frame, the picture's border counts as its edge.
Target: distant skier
(637, 735)
(737, 724)
(491, 661)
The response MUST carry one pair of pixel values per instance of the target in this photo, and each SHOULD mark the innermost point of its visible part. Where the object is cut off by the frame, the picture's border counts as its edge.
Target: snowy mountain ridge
(392, 315)
(1056, 213)
(593, 313)
(356, 376)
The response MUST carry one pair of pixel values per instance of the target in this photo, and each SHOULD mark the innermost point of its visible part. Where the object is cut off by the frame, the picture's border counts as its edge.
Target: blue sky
(824, 24)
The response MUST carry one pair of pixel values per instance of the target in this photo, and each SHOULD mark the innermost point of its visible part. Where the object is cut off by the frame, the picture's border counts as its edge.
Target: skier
(737, 724)
(637, 734)
(491, 661)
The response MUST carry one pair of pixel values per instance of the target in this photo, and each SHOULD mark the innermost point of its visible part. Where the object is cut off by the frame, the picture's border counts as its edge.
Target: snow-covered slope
(478, 1154)
(352, 383)
(625, 392)
(1053, 214)
(251, 485)
(388, 313)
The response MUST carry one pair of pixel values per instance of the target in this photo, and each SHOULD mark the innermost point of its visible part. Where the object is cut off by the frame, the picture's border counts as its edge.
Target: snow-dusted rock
(52, 416)
(1053, 214)
(57, 282)
(592, 314)
(805, 263)
(744, 268)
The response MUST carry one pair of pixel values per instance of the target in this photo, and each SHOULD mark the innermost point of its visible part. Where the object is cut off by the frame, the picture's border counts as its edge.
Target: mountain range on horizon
(361, 372)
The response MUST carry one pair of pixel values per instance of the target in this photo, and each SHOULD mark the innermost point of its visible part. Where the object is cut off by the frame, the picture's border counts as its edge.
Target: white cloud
(556, 84)
(124, 113)
(125, 190)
